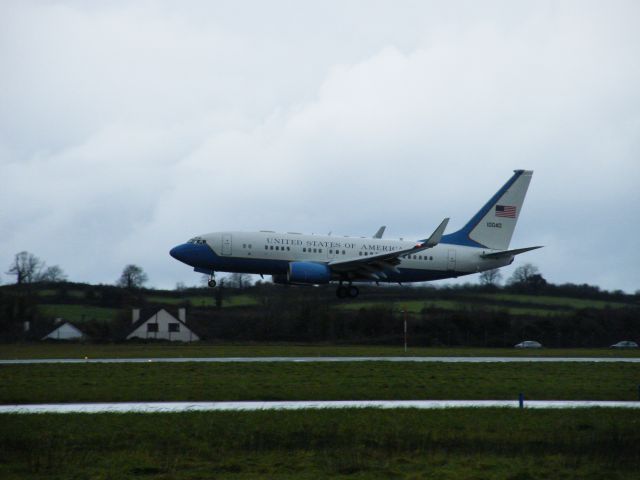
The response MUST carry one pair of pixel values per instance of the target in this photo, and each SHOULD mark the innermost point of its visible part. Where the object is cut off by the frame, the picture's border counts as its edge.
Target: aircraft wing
(376, 266)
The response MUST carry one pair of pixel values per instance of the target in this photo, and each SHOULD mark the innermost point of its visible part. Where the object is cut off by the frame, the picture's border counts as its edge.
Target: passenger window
(271, 247)
(249, 245)
(304, 249)
(320, 250)
(288, 249)
(244, 245)
(266, 247)
(343, 252)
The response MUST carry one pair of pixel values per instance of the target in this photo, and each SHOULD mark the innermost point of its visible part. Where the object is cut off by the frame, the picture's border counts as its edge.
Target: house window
(152, 327)
(174, 327)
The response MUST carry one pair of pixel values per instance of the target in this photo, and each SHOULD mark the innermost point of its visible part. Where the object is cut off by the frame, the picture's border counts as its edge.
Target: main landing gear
(212, 280)
(350, 291)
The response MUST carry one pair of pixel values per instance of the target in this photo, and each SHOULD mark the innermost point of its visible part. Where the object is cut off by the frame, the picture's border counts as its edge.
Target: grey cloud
(129, 128)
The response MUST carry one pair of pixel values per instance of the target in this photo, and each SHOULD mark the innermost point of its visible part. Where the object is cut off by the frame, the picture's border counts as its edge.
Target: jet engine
(308, 273)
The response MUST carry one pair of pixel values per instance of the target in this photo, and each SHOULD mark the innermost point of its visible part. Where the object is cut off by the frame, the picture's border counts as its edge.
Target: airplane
(297, 259)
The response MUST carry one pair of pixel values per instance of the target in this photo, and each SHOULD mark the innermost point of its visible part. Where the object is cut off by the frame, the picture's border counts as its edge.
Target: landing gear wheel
(353, 291)
(341, 292)
(212, 283)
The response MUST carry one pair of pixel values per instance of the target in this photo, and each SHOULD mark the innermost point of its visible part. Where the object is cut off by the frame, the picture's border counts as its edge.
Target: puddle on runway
(177, 407)
(323, 359)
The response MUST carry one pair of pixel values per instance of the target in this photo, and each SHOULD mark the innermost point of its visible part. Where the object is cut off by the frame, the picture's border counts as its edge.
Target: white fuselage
(268, 252)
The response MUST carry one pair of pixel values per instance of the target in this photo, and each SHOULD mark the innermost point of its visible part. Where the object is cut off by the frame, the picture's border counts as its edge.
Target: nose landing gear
(212, 280)
(350, 291)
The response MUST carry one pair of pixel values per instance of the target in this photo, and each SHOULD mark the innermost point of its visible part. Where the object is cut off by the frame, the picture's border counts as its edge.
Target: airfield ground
(355, 443)
(165, 350)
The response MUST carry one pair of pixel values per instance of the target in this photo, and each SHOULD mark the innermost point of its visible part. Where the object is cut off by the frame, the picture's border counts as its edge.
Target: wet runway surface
(177, 407)
(323, 359)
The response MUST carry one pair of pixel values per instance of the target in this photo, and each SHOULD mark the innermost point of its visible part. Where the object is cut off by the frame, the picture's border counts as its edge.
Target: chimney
(182, 314)
(135, 315)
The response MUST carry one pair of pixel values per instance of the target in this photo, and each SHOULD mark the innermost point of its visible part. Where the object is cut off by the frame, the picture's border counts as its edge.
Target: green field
(547, 300)
(164, 350)
(349, 444)
(78, 313)
(514, 304)
(189, 381)
(417, 306)
(205, 300)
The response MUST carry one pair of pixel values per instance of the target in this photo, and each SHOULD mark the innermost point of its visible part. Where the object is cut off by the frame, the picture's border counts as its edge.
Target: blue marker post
(521, 400)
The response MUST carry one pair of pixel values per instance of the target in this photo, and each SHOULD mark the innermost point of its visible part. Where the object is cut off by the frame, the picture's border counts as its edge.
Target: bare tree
(52, 274)
(528, 279)
(239, 280)
(491, 277)
(26, 267)
(522, 274)
(132, 277)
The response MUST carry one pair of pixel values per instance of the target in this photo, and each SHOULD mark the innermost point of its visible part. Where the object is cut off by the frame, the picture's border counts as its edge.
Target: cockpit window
(197, 241)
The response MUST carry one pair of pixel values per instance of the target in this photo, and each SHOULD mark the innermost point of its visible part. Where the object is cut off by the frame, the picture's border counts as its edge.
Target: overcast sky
(128, 127)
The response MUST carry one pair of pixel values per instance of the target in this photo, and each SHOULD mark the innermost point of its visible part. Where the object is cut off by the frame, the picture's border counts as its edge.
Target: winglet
(380, 232)
(436, 236)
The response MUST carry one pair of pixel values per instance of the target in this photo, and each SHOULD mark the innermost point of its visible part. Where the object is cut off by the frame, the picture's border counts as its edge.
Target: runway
(181, 407)
(325, 359)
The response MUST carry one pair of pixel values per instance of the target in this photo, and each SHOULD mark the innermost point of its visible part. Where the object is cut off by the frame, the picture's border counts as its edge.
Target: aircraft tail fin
(492, 227)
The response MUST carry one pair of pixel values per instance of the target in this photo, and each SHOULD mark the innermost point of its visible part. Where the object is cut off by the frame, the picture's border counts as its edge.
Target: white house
(162, 326)
(65, 331)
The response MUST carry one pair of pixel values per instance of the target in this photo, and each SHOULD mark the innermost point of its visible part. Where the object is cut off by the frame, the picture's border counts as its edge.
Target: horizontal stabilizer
(509, 253)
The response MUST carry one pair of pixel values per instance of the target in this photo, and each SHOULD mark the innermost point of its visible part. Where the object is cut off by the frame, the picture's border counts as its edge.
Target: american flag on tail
(505, 211)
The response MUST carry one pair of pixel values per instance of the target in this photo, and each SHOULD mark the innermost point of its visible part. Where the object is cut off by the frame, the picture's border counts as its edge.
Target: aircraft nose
(193, 254)
(184, 252)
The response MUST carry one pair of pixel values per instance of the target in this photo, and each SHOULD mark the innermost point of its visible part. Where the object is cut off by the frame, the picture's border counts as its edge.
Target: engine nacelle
(308, 272)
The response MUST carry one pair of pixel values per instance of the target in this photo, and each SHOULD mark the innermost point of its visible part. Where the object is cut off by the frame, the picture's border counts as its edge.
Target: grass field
(538, 305)
(566, 302)
(157, 350)
(354, 444)
(417, 306)
(205, 300)
(51, 383)
(78, 313)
